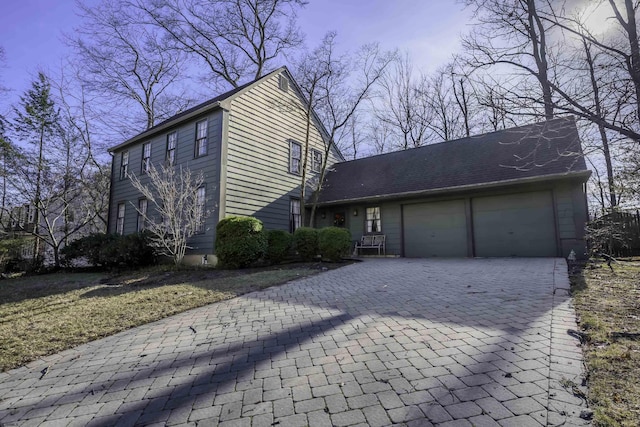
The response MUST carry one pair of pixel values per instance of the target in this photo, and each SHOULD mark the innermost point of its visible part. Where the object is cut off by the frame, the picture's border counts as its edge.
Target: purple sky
(31, 31)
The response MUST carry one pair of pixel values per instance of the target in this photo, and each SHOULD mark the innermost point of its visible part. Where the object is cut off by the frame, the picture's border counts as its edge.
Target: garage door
(514, 225)
(435, 229)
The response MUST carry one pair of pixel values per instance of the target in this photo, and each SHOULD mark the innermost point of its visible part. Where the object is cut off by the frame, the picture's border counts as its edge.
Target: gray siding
(262, 122)
(124, 192)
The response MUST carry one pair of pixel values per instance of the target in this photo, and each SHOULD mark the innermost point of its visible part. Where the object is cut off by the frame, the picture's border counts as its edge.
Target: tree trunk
(539, 43)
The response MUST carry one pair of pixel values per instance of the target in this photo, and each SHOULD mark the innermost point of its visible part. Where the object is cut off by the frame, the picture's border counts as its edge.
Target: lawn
(41, 315)
(608, 308)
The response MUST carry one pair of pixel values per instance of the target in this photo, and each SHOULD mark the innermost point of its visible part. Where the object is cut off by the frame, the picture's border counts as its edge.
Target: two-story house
(248, 143)
(514, 192)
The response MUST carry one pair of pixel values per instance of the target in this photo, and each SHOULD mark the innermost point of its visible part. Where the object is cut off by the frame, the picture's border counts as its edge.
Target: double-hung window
(373, 220)
(142, 214)
(146, 157)
(316, 160)
(295, 157)
(124, 165)
(120, 219)
(172, 142)
(294, 214)
(201, 138)
(200, 206)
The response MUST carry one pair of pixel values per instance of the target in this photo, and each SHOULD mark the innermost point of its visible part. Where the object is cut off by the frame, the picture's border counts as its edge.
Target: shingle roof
(546, 148)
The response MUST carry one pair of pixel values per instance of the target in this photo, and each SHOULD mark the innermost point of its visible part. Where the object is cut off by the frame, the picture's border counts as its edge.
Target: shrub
(278, 245)
(112, 250)
(334, 243)
(305, 240)
(240, 241)
(11, 254)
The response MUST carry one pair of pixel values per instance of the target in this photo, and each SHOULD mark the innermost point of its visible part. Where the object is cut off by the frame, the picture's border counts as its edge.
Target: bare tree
(336, 86)
(177, 210)
(401, 103)
(235, 39)
(128, 64)
(513, 34)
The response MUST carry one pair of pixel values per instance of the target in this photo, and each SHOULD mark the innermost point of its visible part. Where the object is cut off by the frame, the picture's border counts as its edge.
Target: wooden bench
(372, 241)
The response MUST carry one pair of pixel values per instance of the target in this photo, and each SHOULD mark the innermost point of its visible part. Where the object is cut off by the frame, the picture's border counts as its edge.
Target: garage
(435, 229)
(514, 225)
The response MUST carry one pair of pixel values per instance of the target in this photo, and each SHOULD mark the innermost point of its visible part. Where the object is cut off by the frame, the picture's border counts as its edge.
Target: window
(172, 141)
(31, 214)
(142, 213)
(283, 83)
(124, 165)
(295, 157)
(201, 138)
(316, 160)
(120, 220)
(146, 157)
(200, 204)
(373, 220)
(294, 217)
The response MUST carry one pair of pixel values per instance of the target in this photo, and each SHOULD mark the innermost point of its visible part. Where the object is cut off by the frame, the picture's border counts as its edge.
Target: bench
(372, 241)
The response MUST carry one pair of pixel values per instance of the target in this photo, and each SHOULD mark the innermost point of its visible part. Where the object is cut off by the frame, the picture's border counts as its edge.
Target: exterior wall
(569, 206)
(262, 122)
(122, 191)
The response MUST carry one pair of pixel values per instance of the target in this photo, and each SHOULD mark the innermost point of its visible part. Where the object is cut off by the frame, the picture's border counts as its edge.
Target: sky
(31, 32)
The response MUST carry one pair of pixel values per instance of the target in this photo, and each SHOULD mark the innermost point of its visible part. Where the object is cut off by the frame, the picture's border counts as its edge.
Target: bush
(11, 254)
(240, 241)
(112, 250)
(334, 243)
(305, 240)
(279, 243)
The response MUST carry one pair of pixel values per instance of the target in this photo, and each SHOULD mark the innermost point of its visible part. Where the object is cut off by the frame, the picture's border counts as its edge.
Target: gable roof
(545, 150)
(215, 103)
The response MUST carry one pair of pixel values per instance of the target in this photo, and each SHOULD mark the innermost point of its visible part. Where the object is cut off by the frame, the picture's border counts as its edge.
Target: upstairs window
(146, 157)
(200, 205)
(31, 214)
(283, 83)
(124, 165)
(294, 215)
(373, 220)
(120, 219)
(142, 213)
(295, 157)
(316, 160)
(201, 138)
(172, 142)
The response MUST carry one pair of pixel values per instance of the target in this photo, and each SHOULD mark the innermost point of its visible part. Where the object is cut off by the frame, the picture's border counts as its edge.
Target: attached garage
(514, 225)
(435, 229)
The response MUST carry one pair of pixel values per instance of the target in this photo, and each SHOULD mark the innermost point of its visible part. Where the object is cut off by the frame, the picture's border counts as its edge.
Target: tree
(37, 122)
(235, 39)
(513, 34)
(128, 64)
(176, 208)
(335, 87)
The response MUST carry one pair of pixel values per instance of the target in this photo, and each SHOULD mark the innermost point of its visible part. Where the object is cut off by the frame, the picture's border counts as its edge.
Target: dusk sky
(31, 31)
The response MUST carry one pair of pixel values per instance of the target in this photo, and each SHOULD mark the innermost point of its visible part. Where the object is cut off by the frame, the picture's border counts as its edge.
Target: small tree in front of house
(175, 208)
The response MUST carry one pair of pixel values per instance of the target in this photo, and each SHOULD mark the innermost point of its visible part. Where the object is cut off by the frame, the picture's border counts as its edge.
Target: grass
(608, 308)
(42, 315)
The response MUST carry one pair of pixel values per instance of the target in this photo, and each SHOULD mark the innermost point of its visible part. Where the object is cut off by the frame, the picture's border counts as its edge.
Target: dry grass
(608, 308)
(42, 315)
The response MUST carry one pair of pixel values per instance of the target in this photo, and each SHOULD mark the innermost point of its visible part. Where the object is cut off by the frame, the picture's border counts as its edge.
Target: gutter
(153, 131)
(462, 188)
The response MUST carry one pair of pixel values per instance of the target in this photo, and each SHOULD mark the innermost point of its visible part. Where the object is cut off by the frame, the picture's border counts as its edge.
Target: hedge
(240, 241)
(334, 243)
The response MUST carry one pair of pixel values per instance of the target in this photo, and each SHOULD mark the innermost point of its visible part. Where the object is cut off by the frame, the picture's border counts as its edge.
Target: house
(515, 192)
(248, 143)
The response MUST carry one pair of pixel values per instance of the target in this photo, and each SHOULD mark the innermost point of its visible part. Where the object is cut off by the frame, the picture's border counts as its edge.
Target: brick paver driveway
(386, 341)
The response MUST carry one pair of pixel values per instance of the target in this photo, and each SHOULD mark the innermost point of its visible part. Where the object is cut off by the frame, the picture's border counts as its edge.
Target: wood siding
(262, 122)
(122, 191)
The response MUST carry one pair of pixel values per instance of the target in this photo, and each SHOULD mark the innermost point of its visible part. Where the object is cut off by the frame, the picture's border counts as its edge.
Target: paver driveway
(415, 342)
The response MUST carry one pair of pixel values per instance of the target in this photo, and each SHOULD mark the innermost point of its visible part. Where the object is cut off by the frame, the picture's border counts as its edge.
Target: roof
(210, 104)
(545, 150)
